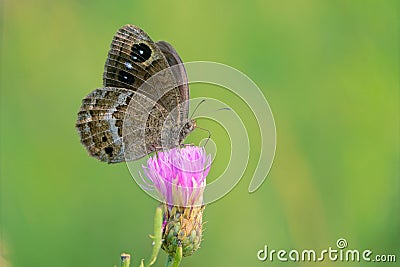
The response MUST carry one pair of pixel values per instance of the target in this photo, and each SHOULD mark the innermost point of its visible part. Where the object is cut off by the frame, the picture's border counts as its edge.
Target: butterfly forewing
(178, 71)
(132, 59)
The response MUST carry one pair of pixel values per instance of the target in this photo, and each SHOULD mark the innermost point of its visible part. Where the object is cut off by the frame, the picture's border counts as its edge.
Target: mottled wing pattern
(124, 120)
(100, 121)
(102, 116)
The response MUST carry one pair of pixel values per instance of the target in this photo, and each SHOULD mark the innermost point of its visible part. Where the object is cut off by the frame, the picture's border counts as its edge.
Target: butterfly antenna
(208, 131)
(220, 109)
(223, 109)
(201, 102)
(209, 134)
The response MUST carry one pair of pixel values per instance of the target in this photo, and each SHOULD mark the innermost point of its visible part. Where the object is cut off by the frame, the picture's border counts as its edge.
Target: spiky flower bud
(179, 176)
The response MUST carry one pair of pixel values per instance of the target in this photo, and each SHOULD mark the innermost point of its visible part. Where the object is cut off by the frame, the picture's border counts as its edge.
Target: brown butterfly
(143, 106)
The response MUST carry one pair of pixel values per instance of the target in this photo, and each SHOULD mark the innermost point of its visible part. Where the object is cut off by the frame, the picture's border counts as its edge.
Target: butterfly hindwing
(100, 120)
(105, 112)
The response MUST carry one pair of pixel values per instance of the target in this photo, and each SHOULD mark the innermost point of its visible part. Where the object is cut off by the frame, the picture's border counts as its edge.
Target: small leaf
(158, 219)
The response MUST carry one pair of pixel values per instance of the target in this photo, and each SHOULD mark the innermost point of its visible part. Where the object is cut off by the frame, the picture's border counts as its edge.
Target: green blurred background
(329, 69)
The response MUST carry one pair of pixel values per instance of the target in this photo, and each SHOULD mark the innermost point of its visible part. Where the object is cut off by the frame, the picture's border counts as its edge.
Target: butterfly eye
(140, 52)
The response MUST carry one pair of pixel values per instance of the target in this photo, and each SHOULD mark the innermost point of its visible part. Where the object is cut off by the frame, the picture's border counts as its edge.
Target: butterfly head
(191, 125)
(187, 128)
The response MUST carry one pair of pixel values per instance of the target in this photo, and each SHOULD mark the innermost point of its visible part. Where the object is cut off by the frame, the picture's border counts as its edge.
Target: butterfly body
(143, 105)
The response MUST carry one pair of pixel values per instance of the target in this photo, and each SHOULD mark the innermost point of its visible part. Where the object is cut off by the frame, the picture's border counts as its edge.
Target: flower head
(179, 175)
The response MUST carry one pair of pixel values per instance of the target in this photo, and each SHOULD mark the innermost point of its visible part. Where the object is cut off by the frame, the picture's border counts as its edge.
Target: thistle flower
(179, 177)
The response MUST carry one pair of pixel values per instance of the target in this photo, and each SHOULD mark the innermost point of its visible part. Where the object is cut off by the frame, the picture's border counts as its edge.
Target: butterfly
(143, 104)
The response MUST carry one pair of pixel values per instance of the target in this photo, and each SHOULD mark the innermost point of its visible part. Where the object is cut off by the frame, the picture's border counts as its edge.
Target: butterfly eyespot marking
(109, 150)
(140, 52)
(104, 139)
(125, 77)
